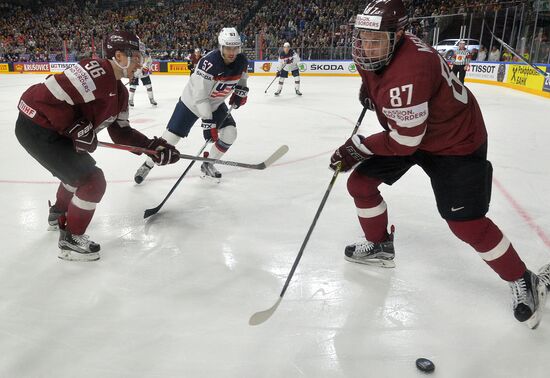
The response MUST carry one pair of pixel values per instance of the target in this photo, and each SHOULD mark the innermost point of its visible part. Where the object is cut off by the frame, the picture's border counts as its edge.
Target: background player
(143, 73)
(288, 62)
(194, 60)
(57, 125)
(221, 73)
(432, 120)
(461, 61)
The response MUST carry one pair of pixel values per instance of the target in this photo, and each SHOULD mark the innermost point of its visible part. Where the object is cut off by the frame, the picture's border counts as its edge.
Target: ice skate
(153, 102)
(298, 92)
(53, 216)
(528, 298)
(77, 247)
(369, 253)
(142, 172)
(544, 276)
(131, 102)
(278, 92)
(208, 170)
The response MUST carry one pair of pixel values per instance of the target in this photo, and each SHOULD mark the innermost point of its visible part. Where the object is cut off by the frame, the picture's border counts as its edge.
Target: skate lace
(81, 239)
(364, 247)
(519, 292)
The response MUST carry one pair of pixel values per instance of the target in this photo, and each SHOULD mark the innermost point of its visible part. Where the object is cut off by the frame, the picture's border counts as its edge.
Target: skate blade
(215, 180)
(534, 321)
(69, 255)
(373, 262)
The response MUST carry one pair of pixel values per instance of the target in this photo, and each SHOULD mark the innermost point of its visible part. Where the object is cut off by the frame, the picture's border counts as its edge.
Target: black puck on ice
(425, 365)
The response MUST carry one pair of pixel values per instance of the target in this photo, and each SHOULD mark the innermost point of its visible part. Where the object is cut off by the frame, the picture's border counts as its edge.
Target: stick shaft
(318, 213)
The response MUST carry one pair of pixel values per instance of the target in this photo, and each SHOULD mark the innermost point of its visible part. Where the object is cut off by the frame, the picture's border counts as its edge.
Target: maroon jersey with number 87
(422, 105)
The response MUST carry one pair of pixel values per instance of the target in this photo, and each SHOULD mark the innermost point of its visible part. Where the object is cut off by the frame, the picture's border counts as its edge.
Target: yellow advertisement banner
(178, 67)
(525, 76)
(4, 67)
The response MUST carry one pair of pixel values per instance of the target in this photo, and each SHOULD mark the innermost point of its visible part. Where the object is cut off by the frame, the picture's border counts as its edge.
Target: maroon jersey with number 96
(422, 105)
(88, 90)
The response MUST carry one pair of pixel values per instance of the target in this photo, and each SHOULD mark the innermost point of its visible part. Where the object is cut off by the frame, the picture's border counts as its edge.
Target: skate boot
(278, 92)
(544, 276)
(142, 172)
(131, 102)
(298, 92)
(153, 102)
(77, 247)
(208, 170)
(528, 298)
(369, 253)
(53, 217)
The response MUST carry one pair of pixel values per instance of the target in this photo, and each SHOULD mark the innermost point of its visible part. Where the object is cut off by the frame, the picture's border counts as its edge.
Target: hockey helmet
(286, 44)
(374, 36)
(124, 41)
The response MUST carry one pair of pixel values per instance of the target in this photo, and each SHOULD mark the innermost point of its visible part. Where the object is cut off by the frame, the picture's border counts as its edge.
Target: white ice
(171, 296)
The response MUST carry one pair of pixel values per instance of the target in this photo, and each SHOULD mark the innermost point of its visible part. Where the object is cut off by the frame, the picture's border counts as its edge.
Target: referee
(461, 61)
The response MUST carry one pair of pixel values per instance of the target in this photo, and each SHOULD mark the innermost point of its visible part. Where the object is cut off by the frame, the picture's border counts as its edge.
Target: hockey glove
(166, 153)
(209, 130)
(349, 154)
(83, 135)
(278, 74)
(364, 98)
(239, 96)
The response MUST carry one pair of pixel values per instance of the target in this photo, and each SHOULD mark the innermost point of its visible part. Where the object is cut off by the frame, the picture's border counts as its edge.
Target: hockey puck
(425, 365)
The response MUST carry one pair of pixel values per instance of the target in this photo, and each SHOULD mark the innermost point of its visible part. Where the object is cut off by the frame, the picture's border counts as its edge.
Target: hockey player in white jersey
(288, 62)
(144, 74)
(218, 75)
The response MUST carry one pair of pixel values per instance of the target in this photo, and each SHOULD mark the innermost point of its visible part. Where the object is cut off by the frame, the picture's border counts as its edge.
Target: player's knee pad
(228, 134)
(170, 137)
(363, 187)
(476, 232)
(92, 187)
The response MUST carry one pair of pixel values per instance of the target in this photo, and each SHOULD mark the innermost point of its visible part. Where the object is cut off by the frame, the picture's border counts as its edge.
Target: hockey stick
(263, 165)
(262, 316)
(276, 76)
(154, 210)
(515, 53)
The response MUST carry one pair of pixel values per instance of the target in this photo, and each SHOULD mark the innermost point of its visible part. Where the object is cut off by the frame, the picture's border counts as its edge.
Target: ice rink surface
(171, 296)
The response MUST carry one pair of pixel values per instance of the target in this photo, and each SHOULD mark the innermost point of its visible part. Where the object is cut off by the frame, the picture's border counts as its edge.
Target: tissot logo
(482, 68)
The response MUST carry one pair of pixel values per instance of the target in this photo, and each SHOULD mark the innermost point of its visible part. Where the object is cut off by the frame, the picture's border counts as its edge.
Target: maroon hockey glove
(166, 153)
(364, 98)
(349, 154)
(239, 96)
(83, 135)
(209, 131)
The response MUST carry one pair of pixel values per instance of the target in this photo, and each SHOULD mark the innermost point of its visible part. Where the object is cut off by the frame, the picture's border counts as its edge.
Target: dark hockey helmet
(124, 41)
(374, 35)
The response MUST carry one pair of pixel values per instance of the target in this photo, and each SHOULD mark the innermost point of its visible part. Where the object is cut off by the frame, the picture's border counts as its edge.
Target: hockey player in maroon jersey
(431, 120)
(194, 60)
(58, 123)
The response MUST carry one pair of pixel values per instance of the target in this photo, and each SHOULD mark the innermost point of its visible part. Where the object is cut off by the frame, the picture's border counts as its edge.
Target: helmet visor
(372, 50)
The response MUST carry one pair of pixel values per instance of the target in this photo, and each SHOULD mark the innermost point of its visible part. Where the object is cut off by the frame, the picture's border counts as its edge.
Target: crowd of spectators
(171, 29)
(76, 28)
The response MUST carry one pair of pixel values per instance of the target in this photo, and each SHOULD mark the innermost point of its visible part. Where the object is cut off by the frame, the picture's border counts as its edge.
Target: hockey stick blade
(263, 165)
(262, 316)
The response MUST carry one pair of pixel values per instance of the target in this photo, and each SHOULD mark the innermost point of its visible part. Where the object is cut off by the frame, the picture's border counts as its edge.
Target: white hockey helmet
(286, 44)
(229, 37)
